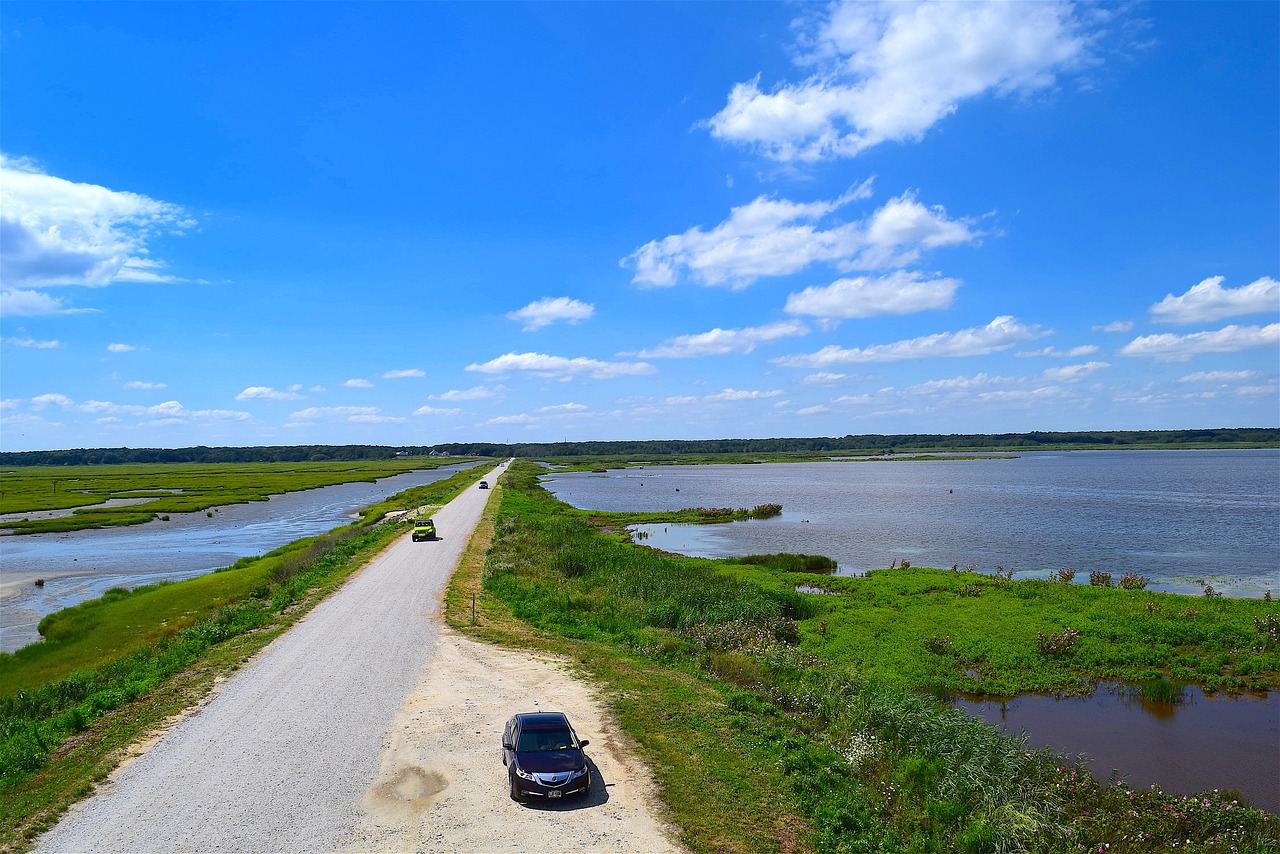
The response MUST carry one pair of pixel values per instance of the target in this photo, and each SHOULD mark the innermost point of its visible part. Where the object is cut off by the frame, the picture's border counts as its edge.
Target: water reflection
(1203, 742)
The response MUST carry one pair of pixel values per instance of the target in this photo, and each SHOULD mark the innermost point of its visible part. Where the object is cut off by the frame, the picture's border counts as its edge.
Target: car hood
(550, 761)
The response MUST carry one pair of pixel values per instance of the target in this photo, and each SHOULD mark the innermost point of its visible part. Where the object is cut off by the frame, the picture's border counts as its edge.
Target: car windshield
(536, 740)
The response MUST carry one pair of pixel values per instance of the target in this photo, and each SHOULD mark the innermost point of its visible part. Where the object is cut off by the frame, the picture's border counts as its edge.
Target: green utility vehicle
(423, 529)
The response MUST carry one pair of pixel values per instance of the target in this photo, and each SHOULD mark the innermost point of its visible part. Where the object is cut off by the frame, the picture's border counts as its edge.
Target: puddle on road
(1205, 742)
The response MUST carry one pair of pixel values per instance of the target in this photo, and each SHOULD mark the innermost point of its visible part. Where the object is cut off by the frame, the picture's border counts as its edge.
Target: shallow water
(1205, 742)
(81, 565)
(1181, 518)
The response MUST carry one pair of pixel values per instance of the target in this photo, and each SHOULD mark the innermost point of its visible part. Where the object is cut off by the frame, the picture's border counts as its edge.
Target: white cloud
(52, 399)
(1115, 326)
(138, 385)
(777, 237)
(1218, 376)
(512, 419)
(1209, 301)
(735, 394)
(358, 383)
(900, 292)
(172, 410)
(121, 348)
(823, 377)
(1000, 334)
(813, 410)
(479, 392)
(262, 392)
(548, 310)
(435, 410)
(719, 342)
(1073, 353)
(57, 232)
(403, 374)
(33, 343)
(563, 408)
(891, 71)
(375, 418)
(324, 413)
(20, 303)
(541, 364)
(1168, 347)
(1071, 373)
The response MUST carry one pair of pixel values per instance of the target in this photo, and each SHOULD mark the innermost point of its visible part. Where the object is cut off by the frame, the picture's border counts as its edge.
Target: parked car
(484, 484)
(544, 757)
(423, 529)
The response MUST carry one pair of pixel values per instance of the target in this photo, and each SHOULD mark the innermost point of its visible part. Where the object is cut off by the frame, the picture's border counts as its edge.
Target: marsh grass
(822, 727)
(169, 488)
(111, 668)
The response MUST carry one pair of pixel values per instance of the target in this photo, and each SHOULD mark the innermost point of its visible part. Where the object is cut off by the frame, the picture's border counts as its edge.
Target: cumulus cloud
(1115, 326)
(1209, 301)
(331, 413)
(172, 410)
(778, 237)
(512, 419)
(720, 342)
(138, 385)
(479, 392)
(33, 343)
(563, 408)
(262, 392)
(22, 303)
(1073, 353)
(561, 367)
(436, 410)
(121, 348)
(358, 383)
(1071, 373)
(891, 71)
(1218, 376)
(548, 310)
(58, 232)
(823, 377)
(1000, 334)
(1168, 347)
(737, 394)
(403, 374)
(900, 292)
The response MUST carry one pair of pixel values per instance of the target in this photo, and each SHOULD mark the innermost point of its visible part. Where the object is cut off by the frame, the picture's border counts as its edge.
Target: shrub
(1098, 578)
(1057, 644)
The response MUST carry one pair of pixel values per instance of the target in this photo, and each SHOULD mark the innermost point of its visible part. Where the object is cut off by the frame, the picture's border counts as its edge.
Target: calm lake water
(1179, 517)
(1182, 518)
(82, 565)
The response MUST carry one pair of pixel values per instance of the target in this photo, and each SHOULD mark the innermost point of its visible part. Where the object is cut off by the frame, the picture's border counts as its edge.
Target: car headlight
(573, 775)
(528, 775)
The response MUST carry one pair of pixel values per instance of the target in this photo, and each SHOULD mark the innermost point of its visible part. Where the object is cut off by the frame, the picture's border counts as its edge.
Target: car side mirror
(583, 742)
(506, 745)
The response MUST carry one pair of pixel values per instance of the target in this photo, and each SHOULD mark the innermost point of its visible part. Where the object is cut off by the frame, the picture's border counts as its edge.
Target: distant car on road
(484, 484)
(544, 757)
(424, 529)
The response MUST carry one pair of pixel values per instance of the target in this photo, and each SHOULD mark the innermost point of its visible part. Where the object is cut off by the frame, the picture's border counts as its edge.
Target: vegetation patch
(782, 710)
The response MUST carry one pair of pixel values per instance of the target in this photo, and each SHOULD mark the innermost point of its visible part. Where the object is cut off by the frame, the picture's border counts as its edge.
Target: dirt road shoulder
(442, 785)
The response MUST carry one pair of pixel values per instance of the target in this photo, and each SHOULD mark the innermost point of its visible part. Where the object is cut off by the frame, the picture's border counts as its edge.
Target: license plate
(554, 793)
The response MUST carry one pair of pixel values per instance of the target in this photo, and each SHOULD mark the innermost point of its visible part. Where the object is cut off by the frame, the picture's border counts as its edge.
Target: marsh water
(80, 565)
(1182, 518)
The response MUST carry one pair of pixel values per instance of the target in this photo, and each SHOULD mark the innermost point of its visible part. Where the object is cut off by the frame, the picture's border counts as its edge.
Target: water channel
(80, 565)
(1182, 518)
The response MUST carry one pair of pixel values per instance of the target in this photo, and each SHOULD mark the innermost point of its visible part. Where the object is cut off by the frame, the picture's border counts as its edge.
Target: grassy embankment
(115, 668)
(765, 733)
(170, 488)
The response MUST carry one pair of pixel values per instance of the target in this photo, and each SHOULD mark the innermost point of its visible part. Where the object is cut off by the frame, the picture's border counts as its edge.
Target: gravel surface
(360, 729)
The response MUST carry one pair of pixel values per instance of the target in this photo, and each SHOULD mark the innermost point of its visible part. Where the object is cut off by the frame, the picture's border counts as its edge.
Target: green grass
(169, 488)
(721, 674)
(112, 669)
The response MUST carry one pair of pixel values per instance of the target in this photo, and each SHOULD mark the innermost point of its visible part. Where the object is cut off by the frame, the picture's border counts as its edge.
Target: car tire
(515, 791)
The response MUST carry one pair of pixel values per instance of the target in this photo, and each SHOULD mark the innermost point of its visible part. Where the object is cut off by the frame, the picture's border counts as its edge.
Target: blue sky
(412, 223)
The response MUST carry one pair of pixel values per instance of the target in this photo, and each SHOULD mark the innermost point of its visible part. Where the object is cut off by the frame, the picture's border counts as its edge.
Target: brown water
(1204, 742)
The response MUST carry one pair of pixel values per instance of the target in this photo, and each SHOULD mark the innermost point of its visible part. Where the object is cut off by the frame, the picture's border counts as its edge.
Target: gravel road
(369, 727)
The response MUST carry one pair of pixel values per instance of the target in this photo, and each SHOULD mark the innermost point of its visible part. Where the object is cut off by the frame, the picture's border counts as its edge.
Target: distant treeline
(865, 443)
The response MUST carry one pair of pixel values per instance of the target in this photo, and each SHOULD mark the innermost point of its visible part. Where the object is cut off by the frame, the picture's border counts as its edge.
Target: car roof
(542, 720)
